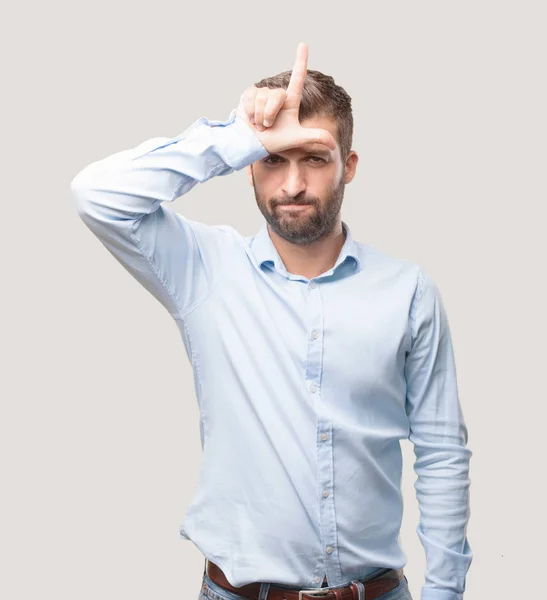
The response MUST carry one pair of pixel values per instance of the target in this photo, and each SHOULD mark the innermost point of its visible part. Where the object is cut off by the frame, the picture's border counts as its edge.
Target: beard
(306, 225)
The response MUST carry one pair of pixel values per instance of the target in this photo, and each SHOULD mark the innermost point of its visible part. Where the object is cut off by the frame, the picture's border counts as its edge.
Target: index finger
(296, 83)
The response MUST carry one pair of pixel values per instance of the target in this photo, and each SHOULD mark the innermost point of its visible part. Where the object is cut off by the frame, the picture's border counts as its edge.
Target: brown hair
(320, 96)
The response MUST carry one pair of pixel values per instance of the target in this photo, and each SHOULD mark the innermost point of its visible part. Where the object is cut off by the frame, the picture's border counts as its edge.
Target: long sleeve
(119, 199)
(439, 435)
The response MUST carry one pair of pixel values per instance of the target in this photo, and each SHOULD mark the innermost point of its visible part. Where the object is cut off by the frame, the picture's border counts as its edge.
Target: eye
(270, 160)
(317, 159)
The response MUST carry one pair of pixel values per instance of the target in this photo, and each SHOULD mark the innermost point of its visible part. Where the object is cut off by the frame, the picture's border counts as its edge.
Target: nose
(294, 183)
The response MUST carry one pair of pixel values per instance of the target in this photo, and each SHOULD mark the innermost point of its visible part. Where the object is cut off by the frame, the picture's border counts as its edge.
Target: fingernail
(267, 123)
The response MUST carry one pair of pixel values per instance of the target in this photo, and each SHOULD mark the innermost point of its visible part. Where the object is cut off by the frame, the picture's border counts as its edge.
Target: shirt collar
(265, 251)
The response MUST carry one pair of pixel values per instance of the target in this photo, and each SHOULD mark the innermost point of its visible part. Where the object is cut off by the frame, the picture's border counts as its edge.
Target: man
(313, 355)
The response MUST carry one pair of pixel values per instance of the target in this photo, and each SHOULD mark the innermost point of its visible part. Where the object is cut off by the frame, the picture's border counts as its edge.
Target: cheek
(268, 184)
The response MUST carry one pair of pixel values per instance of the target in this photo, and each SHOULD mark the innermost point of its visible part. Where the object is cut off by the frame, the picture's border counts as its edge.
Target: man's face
(300, 191)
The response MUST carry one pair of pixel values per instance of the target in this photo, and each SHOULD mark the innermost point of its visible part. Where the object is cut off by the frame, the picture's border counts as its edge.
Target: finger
(299, 71)
(248, 99)
(260, 104)
(275, 101)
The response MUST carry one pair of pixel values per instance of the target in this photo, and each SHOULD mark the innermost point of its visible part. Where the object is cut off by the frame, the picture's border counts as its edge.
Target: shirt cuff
(437, 594)
(239, 146)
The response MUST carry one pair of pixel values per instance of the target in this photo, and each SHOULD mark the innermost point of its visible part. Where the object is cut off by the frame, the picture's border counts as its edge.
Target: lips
(293, 205)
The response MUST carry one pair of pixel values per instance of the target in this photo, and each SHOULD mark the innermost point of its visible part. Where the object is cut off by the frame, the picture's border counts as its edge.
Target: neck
(313, 259)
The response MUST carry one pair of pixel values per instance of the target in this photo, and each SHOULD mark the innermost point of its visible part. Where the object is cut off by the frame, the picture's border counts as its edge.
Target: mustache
(300, 202)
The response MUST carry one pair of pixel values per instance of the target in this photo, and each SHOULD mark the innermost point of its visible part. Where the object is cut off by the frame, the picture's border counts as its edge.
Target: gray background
(99, 438)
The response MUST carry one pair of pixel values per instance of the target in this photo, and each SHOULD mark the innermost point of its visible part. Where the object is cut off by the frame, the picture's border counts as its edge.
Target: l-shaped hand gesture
(273, 113)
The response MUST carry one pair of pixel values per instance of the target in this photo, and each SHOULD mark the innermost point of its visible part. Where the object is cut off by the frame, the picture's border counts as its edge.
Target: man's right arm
(119, 199)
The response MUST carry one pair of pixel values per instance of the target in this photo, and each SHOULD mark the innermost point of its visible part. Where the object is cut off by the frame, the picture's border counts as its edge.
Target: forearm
(442, 490)
(132, 183)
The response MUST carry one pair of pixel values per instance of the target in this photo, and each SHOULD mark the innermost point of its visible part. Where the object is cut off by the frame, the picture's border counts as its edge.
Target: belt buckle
(316, 592)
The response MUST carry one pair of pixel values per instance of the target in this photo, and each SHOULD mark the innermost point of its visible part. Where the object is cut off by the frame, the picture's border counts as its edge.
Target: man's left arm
(439, 435)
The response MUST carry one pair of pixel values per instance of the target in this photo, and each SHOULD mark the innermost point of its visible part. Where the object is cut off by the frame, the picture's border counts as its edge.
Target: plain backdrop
(99, 438)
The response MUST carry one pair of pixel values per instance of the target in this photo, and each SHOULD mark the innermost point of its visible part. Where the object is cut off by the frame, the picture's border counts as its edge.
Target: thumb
(307, 135)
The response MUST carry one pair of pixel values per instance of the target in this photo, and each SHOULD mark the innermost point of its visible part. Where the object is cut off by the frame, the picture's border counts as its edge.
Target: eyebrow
(320, 152)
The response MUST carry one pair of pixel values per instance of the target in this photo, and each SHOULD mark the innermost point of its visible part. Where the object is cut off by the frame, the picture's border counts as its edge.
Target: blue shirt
(305, 386)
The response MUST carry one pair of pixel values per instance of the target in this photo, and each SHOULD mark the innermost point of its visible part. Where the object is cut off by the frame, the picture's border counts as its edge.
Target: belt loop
(361, 588)
(264, 589)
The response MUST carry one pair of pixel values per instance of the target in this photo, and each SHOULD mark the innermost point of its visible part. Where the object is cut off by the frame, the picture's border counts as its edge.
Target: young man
(313, 355)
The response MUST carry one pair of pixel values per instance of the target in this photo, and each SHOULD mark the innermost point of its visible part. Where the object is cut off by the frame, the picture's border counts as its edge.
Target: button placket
(314, 358)
(324, 432)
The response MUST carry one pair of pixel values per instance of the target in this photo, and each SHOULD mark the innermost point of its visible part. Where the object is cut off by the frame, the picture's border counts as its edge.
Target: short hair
(320, 96)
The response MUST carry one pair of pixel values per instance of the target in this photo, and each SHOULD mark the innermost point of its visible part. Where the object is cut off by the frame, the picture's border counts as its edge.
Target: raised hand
(273, 113)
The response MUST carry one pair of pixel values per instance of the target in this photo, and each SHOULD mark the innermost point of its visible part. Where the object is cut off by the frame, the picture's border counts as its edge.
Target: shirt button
(313, 388)
(324, 436)
(329, 549)
(325, 493)
(313, 285)
(314, 334)
(317, 579)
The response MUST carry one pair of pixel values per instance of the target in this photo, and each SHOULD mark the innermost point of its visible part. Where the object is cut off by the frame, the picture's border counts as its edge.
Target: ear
(351, 166)
(250, 174)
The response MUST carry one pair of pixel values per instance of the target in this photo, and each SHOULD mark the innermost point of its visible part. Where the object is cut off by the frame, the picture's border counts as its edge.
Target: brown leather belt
(373, 587)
